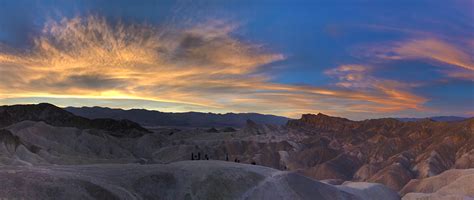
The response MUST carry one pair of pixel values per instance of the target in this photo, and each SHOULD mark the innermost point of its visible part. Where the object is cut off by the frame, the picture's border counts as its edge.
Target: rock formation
(387, 151)
(404, 156)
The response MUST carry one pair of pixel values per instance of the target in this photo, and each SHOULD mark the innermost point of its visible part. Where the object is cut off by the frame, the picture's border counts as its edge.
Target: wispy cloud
(395, 94)
(202, 65)
(437, 51)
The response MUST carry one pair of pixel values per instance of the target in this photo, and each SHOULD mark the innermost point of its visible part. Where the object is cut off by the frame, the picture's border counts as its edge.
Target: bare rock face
(8, 141)
(38, 143)
(465, 161)
(365, 172)
(181, 180)
(342, 167)
(394, 176)
(386, 151)
(451, 184)
(435, 164)
(253, 128)
(321, 122)
(13, 151)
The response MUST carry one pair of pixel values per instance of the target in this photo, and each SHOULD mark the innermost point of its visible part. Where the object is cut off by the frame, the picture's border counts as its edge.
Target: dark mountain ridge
(436, 118)
(56, 116)
(189, 119)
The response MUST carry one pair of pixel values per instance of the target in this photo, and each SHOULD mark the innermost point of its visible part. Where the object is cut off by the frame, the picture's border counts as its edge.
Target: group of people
(198, 156)
(206, 157)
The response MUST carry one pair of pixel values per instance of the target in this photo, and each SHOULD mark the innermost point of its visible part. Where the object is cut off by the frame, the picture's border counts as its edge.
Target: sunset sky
(356, 59)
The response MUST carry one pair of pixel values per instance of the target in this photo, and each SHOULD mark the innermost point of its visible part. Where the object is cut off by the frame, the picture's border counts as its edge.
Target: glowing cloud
(434, 50)
(203, 65)
(356, 77)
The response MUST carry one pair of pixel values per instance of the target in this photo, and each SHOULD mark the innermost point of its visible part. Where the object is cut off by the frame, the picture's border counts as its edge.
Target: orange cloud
(203, 65)
(394, 94)
(435, 50)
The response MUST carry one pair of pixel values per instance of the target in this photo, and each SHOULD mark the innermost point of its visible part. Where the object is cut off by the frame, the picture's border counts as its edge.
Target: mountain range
(199, 119)
(58, 117)
(188, 119)
(49, 152)
(436, 118)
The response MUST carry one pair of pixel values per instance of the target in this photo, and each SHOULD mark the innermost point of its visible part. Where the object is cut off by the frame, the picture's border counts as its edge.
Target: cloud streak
(358, 78)
(435, 50)
(202, 65)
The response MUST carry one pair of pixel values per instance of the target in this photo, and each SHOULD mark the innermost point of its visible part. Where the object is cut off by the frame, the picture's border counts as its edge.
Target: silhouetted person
(226, 157)
(199, 156)
(207, 157)
(192, 156)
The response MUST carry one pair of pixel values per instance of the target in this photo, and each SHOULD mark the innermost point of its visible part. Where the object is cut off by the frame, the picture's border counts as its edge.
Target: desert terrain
(48, 152)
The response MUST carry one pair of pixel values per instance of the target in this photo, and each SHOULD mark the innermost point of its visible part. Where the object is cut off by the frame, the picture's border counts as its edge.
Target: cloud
(436, 50)
(203, 66)
(395, 94)
(431, 49)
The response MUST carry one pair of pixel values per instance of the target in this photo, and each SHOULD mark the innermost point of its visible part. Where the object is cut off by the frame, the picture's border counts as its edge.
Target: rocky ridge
(387, 151)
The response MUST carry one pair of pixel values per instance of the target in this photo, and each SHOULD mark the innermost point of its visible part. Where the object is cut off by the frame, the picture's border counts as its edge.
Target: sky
(358, 59)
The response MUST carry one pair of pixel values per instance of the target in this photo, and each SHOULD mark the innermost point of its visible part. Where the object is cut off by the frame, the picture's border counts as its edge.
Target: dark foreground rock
(180, 180)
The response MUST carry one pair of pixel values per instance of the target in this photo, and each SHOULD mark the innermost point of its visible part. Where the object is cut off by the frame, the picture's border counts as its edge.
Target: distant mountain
(56, 116)
(437, 118)
(187, 119)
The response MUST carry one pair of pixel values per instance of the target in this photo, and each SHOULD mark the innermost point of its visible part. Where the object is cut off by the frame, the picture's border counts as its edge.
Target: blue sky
(357, 59)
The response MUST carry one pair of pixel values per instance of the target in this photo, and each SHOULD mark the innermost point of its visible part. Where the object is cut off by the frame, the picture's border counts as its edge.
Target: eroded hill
(330, 149)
